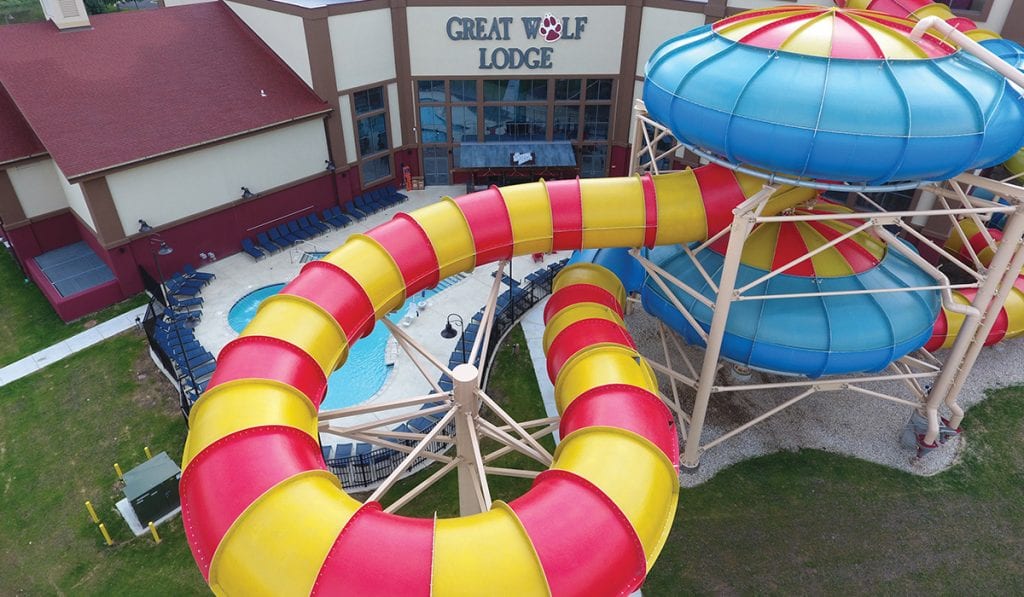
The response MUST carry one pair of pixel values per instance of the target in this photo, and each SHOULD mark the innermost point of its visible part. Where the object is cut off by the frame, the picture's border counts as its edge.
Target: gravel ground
(843, 422)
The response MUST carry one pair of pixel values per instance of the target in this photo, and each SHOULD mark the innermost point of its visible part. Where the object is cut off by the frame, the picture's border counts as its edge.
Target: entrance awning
(516, 154)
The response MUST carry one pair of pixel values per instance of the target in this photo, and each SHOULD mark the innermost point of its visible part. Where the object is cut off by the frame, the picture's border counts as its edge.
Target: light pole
(449, 332)
(163, 251)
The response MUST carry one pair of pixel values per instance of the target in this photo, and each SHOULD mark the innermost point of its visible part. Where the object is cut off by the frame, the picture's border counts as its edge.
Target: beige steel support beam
(742, 223)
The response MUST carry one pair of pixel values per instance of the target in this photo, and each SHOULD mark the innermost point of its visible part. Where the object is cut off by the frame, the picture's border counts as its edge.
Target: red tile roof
(16, 138)
(144, 83)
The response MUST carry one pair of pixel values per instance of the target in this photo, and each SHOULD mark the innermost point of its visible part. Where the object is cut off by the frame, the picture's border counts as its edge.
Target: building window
(372, 131)
(463, 90)
(593, 160)
(482, 110)
(368, 101)
(595, 122)
(599, 89)
(567, 90)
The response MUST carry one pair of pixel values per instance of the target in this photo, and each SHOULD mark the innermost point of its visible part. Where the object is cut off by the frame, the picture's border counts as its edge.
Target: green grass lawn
(806, 522)
(28, 323)
(61, 430)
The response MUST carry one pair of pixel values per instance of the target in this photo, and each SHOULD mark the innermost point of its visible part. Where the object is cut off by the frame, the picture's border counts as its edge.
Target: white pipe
(970, 46)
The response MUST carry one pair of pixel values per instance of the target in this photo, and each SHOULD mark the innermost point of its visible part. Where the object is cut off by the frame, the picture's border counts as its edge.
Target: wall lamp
(330, 165)
(144, 227)
(246, 193)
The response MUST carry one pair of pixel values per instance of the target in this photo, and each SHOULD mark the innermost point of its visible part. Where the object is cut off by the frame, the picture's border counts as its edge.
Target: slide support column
(744, 217)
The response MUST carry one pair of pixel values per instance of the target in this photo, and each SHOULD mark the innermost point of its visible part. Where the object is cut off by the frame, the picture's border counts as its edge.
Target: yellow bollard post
(117, 469)
(92, 513)
(106, 535)
(149, 454)
(152, 529)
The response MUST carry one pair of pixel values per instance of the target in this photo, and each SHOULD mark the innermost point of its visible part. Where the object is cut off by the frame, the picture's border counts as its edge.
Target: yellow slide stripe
(303, 323)
(630, 470)
(450, 235)
(598, 366)
(613, 213)
(374, 269)
(486, 554)
(529, 210)
(291, 527)
(244, 403)
(681, 216)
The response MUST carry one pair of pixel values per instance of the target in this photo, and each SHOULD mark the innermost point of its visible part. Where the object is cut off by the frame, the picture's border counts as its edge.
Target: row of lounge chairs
(194, 365)
(310, 226)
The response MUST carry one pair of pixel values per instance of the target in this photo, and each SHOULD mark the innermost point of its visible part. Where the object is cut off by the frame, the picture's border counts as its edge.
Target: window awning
(516, 154)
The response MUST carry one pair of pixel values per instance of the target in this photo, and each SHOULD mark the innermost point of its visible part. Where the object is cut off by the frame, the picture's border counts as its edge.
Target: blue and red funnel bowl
(833, 94)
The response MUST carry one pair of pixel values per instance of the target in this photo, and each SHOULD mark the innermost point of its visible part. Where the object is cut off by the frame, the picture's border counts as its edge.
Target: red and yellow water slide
(264, 516)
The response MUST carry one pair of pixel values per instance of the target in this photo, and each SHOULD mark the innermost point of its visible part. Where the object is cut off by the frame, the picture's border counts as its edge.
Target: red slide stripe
(650, 210)
(338, 293)
(789, 246)
(580, 335)
(379, 554)
(580, 293)
(566, 516)
(625, 407)
(264, 357)
(489, 223)
(720, 194)
(566, 214)
(939, 332)
(210, 509)
(411, 249)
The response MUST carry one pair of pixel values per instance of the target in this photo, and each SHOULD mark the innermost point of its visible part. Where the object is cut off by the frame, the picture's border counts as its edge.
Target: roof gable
(145, 83)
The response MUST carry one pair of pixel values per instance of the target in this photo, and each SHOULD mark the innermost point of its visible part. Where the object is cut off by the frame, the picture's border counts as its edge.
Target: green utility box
(152, 488)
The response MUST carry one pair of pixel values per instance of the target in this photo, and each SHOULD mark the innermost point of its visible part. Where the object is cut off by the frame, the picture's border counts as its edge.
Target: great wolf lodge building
(212, 122)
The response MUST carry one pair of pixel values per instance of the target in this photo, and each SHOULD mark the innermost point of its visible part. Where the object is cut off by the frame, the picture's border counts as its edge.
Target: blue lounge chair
(326, 451)
(251, 249)
(306, 229)
(293, 227)
(185, 303)
(334, 217)
(191, 272)
(266, 244)
(366, 205)
(316, 223)
(317, 228)
(203, 371)
(351, 209)
(344, 218)
(285, 235)
(342, 451)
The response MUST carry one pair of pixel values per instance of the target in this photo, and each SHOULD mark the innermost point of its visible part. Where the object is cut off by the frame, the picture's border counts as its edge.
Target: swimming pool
(364, 372)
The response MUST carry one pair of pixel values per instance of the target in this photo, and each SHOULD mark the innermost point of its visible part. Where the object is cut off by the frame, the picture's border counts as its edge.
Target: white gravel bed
(842, 422)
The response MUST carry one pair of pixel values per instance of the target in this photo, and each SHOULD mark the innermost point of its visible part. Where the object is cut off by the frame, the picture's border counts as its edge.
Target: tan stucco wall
(38, 187)
(363, 48)
(177, 187)
(285, 34)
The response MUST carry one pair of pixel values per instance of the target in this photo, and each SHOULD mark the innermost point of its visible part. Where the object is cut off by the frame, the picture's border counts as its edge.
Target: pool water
(364, 371)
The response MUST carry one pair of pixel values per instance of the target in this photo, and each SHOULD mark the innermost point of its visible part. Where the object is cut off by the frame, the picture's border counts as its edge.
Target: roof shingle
(145, 83)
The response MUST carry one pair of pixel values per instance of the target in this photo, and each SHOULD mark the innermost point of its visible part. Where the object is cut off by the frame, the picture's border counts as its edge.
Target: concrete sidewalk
(65, 348)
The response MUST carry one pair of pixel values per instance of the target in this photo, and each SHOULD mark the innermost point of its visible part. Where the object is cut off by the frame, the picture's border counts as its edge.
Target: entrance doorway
(436, 170)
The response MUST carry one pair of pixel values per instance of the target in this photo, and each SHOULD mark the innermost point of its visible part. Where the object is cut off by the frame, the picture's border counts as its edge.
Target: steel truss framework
(931, 383)
(462, 424)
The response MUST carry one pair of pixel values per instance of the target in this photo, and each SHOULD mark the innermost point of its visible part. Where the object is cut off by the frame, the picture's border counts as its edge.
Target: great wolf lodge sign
(547, 30)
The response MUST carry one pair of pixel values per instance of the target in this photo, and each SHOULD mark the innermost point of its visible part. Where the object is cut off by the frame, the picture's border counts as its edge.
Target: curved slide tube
(264, 516)
(1010, 321)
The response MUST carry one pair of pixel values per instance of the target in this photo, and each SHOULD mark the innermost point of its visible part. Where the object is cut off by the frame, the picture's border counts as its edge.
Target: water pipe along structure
(743, 257)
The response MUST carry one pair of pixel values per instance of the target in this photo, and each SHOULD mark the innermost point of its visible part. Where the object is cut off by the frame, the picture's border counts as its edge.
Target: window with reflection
(595, 122)
(374, 143)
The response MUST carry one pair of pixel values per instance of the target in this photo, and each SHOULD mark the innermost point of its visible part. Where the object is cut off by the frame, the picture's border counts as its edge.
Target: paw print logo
(550, 28)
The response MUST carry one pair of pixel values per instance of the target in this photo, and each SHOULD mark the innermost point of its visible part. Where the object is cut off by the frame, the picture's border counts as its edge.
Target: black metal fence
(366, 466)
